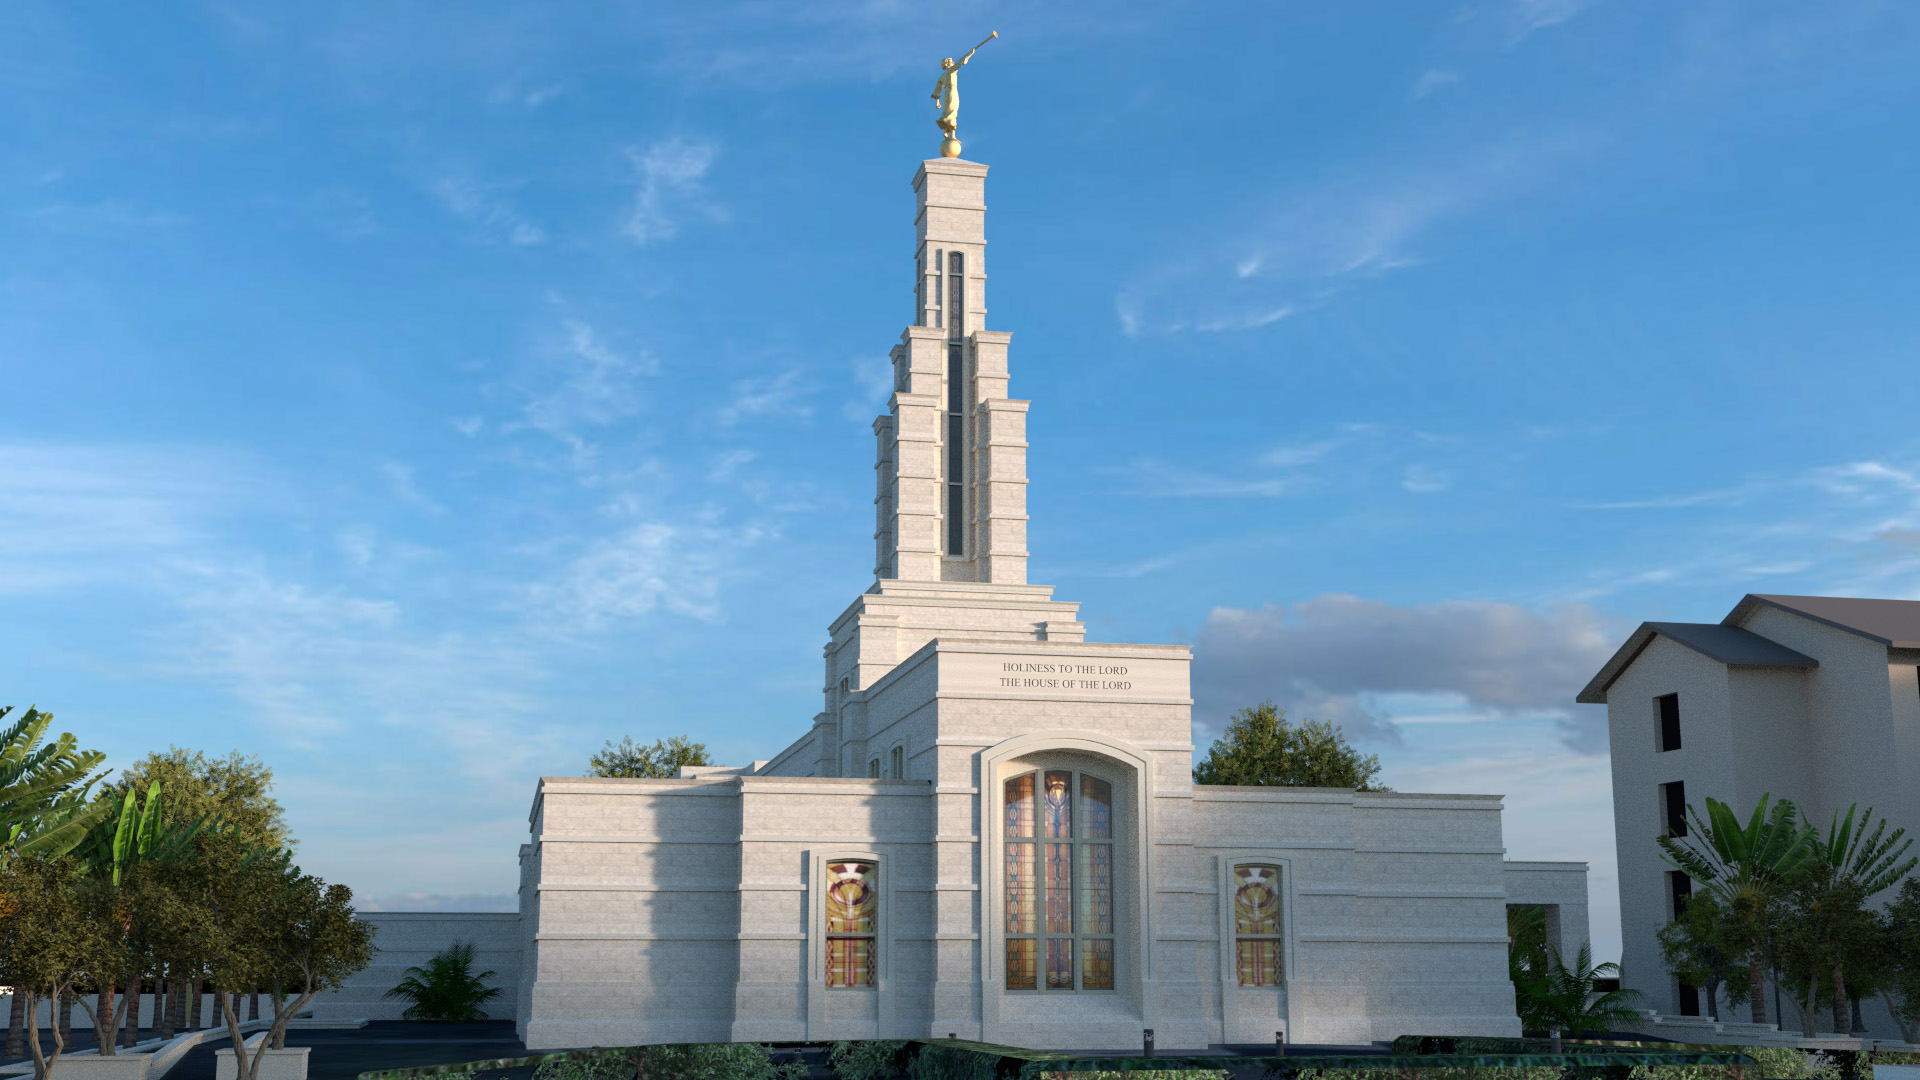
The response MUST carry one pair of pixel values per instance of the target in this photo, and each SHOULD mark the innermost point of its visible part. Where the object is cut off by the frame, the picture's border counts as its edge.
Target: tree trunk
(279, 1002)
(219, 1009)
(1842, 1014)
(104, 1028)
(253, 1006)
(65, 1018)
(193, 1003)
(162, 1017)
(1756, 985)
(130, 1031)
(16, 1025)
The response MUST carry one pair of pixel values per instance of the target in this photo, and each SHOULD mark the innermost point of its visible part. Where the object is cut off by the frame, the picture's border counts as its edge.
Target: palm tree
(1744, 868)
(446, 989)
(1854, 867)
(1565, 998)
(44, 808)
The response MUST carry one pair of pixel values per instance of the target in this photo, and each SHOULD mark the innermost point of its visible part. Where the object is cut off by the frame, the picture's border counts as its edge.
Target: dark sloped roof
(1729, 645)
(1894, 623)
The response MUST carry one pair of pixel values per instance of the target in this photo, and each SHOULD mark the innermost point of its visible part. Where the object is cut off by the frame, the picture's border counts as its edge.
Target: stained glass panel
(1259, 962)
(1019, 799)
(851, 898)
(1059, 888)
(1059, 963)
(1020, 957)
(1096, 803)
(849, 962)
(1096, 964)
(1096, 889)
(1021, 896)
(1256, 900)
(1057, 814)
(853, 904)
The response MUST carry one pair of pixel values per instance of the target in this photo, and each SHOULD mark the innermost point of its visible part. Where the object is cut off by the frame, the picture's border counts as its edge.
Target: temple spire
(951, 465)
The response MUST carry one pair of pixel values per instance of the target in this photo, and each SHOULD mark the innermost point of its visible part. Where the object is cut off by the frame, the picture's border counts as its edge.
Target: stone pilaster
(998, 470)
(917, 455)
(885, 476)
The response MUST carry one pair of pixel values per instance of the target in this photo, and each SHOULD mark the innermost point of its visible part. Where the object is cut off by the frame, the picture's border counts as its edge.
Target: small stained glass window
(853, 910)
(1256, 923)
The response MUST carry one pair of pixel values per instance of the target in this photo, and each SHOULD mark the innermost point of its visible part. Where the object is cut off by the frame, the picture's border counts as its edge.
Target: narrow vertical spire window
(956, 404)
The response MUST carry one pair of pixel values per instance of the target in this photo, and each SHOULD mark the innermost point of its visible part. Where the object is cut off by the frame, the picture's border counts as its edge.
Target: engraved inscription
(1064, 678)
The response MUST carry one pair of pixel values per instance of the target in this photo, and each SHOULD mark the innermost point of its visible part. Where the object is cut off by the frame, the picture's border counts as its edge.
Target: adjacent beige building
(990, 829)
(1808, 698)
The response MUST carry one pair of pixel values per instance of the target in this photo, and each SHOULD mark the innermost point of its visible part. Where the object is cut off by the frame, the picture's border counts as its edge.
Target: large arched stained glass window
(853, 910)
(1256, 923)
(1059, 839)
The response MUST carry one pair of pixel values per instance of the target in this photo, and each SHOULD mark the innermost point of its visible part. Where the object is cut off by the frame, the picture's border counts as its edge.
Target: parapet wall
(409, 939)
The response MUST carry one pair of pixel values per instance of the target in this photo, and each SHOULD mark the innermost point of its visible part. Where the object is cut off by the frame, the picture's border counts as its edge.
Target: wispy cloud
(781, 395)
(79, 514)
(1527, 17)
(1319, 240)
(586, 384)
(677, 567)
(1431, 81)
(669, 187)
(486, 205)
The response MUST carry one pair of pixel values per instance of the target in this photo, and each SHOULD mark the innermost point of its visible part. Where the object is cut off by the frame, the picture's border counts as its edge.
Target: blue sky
(417, 396)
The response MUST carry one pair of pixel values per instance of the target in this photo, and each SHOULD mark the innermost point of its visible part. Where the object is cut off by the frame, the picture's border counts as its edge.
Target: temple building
(991, 828)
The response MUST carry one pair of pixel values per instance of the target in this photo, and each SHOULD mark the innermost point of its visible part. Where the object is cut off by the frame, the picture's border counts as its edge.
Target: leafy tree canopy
(657, 762)
(1261, 749)
(236, 789)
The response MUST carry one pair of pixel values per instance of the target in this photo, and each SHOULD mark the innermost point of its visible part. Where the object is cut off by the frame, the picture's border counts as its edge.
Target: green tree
(1851, 868)
(43, 788)
(53, 934)
(266, 921)
(447, 989)
(657, 762)
(44, 808)
(1898, 959)
(1528, 962)
(1744, 868)
(1567, 1000)
(125, 855)
(1261, 749)
(1705, 948)
(236, 791)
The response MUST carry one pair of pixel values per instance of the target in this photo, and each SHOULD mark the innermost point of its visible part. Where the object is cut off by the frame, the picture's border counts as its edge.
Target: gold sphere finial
(950, 147)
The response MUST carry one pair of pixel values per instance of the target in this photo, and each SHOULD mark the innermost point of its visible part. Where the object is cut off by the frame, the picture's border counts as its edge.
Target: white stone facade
(695, 908)
(1812, 699)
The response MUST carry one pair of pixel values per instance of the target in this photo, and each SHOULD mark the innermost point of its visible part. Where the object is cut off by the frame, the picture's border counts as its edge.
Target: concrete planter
(288, 1064)
(95, 1067)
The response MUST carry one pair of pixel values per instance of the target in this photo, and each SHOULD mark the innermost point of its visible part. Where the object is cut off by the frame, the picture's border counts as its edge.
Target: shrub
(684, 1061)
(867, 1060)
(446, 989)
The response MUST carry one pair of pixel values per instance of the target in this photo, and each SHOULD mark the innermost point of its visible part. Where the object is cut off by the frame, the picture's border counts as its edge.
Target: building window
(853, 915)
(1689, 998)
(1680, 890)
(1059, 833)
(1256, 923)
(899, 763)
(1669, 721)
(1673, 800)
(873, 768)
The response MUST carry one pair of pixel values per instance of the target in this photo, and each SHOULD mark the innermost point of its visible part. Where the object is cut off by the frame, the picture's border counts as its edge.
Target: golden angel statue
(946, 95)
